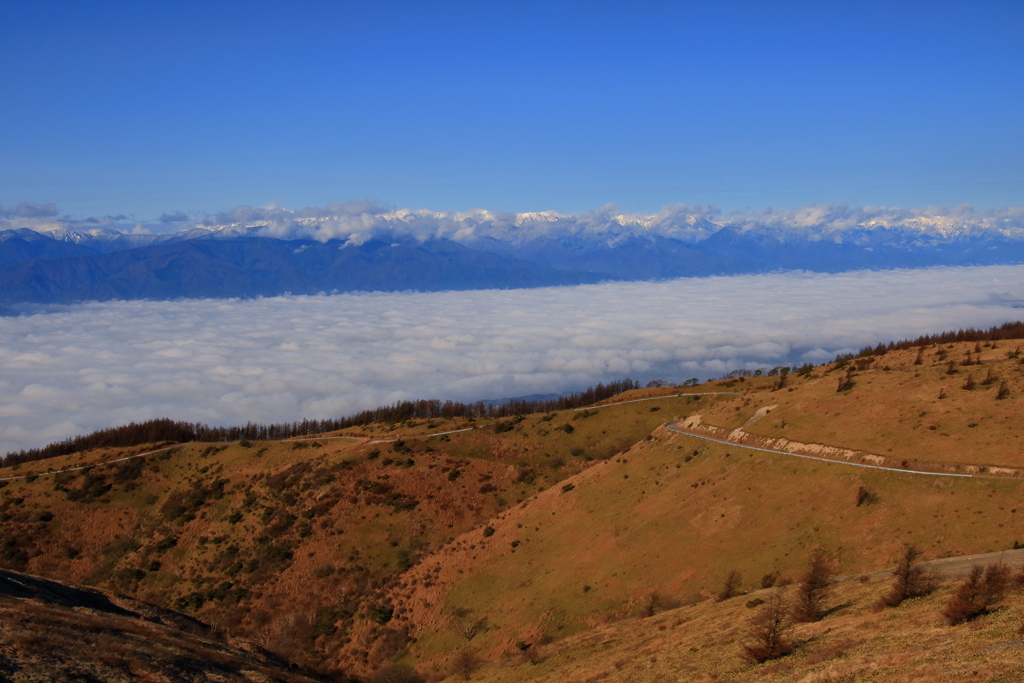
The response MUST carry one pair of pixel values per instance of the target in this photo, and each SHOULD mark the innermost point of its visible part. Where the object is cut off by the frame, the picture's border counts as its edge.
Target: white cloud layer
(73, 370)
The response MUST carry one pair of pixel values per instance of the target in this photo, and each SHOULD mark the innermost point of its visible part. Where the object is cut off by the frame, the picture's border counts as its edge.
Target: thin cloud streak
(73, 370)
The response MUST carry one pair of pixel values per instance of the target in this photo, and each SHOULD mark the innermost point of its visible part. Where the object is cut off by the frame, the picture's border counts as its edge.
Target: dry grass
(894, 409)
(855, 643)
(43, 641)
(238, 535)
(564, 528)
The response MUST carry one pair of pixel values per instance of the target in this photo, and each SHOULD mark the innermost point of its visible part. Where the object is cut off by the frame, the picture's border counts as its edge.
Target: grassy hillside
(291, 543)
(546, 531)
(663, 526)
(897, 408)
(854, 643)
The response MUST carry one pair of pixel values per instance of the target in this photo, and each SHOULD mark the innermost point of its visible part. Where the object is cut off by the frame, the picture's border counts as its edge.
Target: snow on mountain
(355, 223)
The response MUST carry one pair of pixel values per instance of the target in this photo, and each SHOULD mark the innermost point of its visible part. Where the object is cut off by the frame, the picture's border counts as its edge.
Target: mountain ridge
(247, 260)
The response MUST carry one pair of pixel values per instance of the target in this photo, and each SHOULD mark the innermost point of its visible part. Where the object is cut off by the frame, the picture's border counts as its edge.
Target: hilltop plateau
(576, 544)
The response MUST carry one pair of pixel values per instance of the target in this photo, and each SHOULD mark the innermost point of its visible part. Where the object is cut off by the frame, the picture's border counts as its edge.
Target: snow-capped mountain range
(358, 246)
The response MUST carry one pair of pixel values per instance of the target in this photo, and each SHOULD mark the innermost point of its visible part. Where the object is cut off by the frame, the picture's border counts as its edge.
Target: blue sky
(146, 107)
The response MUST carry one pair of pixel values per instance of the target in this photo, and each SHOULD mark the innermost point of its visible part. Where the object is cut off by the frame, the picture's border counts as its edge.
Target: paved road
(671, 426)
(959, 567)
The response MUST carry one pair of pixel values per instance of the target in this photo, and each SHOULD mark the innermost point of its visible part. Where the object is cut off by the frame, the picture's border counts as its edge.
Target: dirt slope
(544, 531)
(853, 644)
(56, 632)
(663, 525)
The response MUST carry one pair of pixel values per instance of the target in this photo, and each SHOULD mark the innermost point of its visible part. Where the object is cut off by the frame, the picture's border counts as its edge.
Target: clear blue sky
(145, 107)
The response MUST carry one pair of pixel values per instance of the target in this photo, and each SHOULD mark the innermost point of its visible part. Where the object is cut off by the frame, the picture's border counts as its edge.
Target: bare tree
(467, 625)
(265, 635)
(768, 635)
(464, 664)
(814, 586)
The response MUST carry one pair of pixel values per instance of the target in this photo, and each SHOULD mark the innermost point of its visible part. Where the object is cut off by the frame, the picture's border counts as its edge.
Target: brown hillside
(290, 543)
(663, 525)
(894, 407)
(56, 632)
(345, 554)
(855, 643)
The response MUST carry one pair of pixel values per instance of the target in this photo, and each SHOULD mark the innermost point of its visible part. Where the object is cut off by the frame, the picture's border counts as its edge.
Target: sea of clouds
(71, 370)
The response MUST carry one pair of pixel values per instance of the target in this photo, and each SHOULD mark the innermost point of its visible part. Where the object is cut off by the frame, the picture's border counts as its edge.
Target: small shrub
(405, 560)
(969, 384)
(396, 673)
(525, 475)
(191, 602)
(1004, 392)
(381, 613)
(731, 587)
(277, 554)
(865, 496)
(165, 544)
(488, 531)
(92, 488)
(846, 383)
(768, 580)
